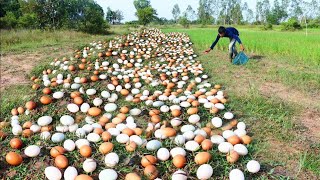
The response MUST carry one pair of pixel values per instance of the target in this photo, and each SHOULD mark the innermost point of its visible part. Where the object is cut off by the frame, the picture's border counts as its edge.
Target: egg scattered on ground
(140, 101)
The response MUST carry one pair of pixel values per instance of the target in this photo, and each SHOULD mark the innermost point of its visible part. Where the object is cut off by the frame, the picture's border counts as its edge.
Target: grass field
(277, 93)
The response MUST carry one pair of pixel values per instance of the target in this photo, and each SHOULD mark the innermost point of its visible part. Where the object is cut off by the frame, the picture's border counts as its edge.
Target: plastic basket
(240, 59)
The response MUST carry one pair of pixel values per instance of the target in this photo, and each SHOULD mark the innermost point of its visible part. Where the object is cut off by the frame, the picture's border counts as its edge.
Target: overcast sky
(163, 7)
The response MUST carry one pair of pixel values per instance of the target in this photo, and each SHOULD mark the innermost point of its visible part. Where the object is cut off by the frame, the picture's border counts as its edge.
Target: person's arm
(239, 41)
(213, 44)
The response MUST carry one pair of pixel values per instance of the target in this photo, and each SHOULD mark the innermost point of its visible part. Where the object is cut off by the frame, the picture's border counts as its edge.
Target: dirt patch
(310, 117)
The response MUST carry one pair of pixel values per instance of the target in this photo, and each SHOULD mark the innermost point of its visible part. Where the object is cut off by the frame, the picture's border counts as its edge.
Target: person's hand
(207, 51)
(241, 47)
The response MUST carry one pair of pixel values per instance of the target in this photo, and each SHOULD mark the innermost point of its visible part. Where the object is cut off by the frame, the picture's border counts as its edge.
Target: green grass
(292, 44)
(267, 118)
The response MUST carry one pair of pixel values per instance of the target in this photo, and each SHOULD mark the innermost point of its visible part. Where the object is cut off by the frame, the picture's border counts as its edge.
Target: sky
(163, 7)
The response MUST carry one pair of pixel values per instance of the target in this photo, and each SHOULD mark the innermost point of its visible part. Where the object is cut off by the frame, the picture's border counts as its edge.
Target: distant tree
(140, 4)
(277, 14)
(205, 11)
(190, 13)
(146, 15)
(183, 20)
(10, 6)
(28, 21)
(145, 12)
(8, 21)
(259, 12)
(110, 16)
(119, 16)
(176, 12)
(295, 9)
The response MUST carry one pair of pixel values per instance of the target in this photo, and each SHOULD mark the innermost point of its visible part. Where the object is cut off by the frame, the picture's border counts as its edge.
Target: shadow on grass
(256, 57)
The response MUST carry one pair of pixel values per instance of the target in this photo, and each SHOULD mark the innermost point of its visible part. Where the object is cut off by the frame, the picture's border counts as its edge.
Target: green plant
(291, 25)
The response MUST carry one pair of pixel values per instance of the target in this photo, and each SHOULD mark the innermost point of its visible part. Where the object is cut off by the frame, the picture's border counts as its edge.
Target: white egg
(73, 127)
(216, 122)
(35, 128)
(58, 95)
(57, 137)
(253, 166)
(114, 131)
(80, 132)
(177, 150)
(32, 151)
(153, 145)
(227, 133)
(81, 142)
(97, 101)
(110, 107)
(205, 171)
(69, 145)
(136, 139)
(122, 138)
(192, 146)
(16, 130)
(105, 94)
(135, 112)
(236, 174)
(73, 108)
(93, 137)
(241, 125)
(175, 122)
(66, 120)
(225, 147)
(186, 128)
(241, 149)
(188, 135)
(179, 140)
(84, 107)
(45, 135)
(89, 165)
(219, 106)
(91, 92)
(52, 173)
(179, 175)
(240, 132)
(70, 173)
(163, 154)
(217, 139)
(228, 115)
(194, 118)
(87, 128)
(44, 120)
(109, 174)
(111, 159)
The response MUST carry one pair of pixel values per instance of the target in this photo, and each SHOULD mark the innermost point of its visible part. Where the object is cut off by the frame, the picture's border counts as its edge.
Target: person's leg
(232, 49)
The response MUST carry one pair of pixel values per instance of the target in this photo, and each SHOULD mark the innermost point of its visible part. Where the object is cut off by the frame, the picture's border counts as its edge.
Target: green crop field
(277, 93)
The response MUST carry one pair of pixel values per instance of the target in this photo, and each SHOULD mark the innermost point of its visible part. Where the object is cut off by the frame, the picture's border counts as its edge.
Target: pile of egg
(169, 110)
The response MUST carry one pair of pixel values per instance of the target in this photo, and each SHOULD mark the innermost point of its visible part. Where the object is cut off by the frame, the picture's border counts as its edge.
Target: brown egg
(85, 151)
(35, 86)
(78, 100)
(214, 110)
(3, 135)
(202, 158)
(94, 111)
(16, 143)
(232, 156)
(72, 68)
(61, 161)
(83, 177)
(193, 110)
(169, 132)
(14, 158)
(75, 94)
(46, 90)
(179, 161)
(131, 146)
(206, 144)
(150, 172)
(128, 131)
(154, 112)
(98, 130)
(105, 147)
(155, 118)
(56, 151)
(106, 136)
(45, 100)
(20, 110)
(27, 133)
(122, 116)
(103, 119)
(234, 140)
(30, 105)
(138, 131)
(176, 113)
(124, 92)
(132, 176)
(124, 109)
(110, 125)
(199, 138)
(27, 125)
(217, 86)
(148, 160)
(94, 78)
(245, 139)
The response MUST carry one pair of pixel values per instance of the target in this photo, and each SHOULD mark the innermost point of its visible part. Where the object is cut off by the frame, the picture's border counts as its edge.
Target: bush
(9, 21)
(28, 21)
(291, 25)
(267, 27)
(184, 22)
(315, 23)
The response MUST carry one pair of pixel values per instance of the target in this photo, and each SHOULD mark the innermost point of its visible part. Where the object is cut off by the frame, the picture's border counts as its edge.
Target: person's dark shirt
(231, 33)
